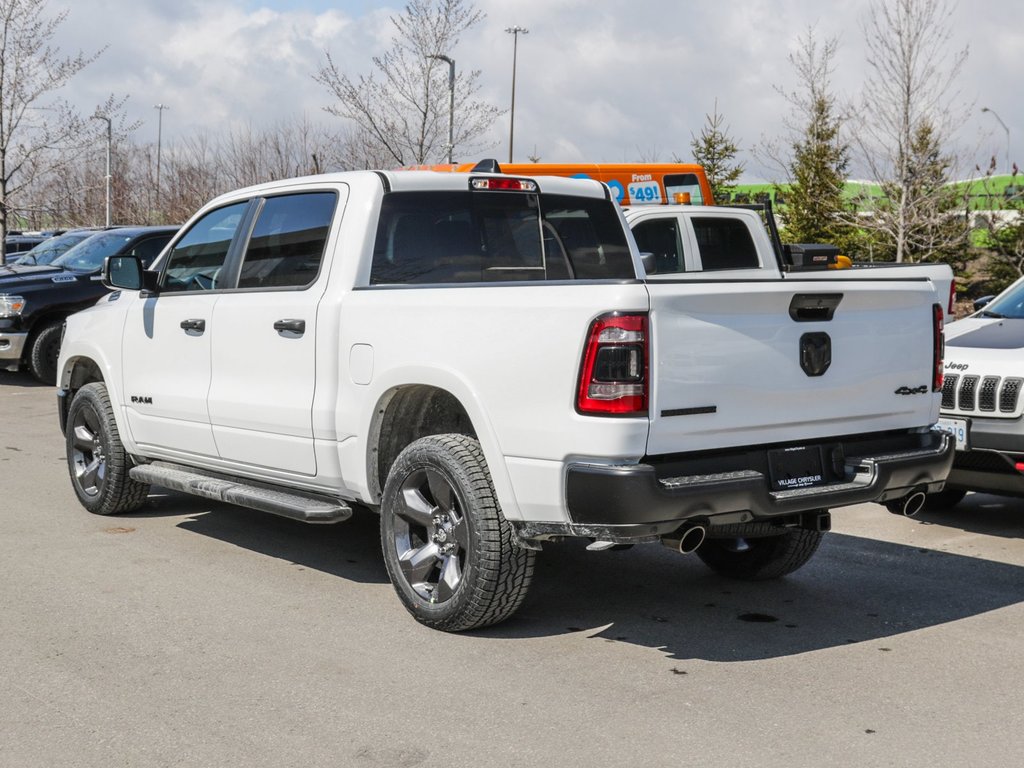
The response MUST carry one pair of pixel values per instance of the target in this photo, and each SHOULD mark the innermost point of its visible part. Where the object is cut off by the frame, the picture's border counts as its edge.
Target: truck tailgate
(748, 363)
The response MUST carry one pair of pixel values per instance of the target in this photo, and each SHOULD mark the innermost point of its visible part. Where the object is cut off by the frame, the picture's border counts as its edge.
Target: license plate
(959, 429)
(792, 468)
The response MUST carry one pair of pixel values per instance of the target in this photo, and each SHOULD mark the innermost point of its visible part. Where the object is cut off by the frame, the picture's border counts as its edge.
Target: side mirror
(122, 272)
(982, 302)
(650, 262)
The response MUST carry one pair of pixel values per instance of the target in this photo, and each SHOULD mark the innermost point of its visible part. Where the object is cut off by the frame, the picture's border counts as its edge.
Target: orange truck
(630, 183)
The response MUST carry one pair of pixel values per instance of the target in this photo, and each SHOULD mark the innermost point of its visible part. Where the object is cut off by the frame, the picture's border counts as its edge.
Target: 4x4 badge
(912, 390)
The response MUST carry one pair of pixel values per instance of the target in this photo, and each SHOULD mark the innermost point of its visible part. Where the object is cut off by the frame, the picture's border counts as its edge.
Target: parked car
(49, 249)
(982, 402)
(35, 300)
(20, 242)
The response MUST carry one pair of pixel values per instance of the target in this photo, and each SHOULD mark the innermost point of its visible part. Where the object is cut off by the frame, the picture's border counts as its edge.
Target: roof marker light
(504, 184)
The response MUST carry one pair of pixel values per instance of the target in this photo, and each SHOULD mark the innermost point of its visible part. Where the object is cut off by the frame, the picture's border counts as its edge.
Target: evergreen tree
(814, 201)
(716, 151)
(819, 157)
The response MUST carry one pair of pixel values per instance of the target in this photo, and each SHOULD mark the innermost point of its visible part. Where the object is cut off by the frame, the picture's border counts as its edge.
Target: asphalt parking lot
(199, 634)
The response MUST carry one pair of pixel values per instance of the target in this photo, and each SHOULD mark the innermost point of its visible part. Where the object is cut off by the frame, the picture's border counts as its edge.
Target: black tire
(97, 462)
(943, 500)
(43, 354)
(449, 551)
(762, 558)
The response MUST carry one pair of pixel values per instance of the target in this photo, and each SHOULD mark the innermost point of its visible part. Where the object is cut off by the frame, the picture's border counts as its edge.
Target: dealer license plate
(959, 429)
(793, 468)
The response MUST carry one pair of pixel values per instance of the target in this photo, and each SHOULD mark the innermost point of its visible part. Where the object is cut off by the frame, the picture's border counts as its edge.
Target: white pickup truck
(486, 362)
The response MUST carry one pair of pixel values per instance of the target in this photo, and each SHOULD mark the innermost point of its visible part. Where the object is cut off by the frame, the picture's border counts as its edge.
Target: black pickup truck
(35, 300)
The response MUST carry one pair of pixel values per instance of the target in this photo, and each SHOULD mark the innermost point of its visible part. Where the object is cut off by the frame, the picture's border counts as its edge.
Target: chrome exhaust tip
(907, 506)
(685, 540)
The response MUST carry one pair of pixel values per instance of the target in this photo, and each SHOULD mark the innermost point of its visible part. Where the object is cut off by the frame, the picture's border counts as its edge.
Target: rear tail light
(937, 348)
(614, 375)
(952, 298)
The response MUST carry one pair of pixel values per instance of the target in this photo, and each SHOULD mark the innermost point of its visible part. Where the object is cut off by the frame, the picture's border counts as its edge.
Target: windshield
(47, 251)
(1010, 303)
(89, 254)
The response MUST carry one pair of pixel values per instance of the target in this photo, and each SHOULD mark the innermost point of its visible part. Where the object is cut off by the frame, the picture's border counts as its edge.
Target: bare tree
(400, 111)
(39, 134)
(907, 122)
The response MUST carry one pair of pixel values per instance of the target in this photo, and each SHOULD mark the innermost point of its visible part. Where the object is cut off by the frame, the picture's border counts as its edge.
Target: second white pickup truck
(486, 362)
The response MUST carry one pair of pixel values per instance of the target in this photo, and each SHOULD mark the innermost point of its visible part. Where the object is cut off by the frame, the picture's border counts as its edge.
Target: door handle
(295, 326)
(193, 325)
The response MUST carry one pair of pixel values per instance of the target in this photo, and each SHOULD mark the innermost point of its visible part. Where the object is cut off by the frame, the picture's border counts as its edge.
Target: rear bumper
(647, 500)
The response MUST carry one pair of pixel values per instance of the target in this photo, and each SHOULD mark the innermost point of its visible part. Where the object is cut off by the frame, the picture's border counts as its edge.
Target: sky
(597, 81)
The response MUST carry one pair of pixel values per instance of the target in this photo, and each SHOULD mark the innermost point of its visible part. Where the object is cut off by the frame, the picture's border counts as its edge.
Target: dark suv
(35, 299)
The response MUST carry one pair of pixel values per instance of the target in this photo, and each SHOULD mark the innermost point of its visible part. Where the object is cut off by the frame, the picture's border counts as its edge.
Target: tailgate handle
(814, 307)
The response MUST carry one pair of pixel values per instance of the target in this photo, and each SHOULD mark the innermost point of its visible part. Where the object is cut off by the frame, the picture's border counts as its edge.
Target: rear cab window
(474, 237)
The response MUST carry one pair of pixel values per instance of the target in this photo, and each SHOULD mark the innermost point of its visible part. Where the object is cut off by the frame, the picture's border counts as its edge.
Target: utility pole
(159, 135)
(451, 101)
(109, 141)
(515, 32)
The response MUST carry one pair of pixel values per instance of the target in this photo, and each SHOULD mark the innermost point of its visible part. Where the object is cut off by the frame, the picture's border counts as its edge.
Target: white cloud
(597, 80)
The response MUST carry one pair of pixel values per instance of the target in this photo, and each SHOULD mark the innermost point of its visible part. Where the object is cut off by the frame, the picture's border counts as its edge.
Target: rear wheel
(449, 551)
(762, 558)
(97, 461)
(43, 354)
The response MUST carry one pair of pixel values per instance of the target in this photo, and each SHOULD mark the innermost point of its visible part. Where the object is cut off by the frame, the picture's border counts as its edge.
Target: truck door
(166, 341)
(264, 341)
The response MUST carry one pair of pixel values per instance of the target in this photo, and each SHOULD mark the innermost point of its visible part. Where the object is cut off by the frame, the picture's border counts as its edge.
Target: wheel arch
(407, 412)
(42, 321)
(75, 374)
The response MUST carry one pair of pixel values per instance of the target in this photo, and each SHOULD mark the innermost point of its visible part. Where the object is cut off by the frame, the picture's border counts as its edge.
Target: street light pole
(451, 101)
(1000, 121)
(109, 140)
(159, 135)
(515, 32)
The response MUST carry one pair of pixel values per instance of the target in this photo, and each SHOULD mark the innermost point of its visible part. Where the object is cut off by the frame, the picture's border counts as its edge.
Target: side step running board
(308, 509)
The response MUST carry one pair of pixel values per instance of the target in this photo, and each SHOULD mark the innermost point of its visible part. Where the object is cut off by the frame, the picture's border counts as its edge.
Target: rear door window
(724, 243)
(288, 240)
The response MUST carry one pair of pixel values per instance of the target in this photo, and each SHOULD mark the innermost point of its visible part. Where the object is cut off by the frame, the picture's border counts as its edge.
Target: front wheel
(762, 558)
(43, 354)
(449, 551)
(97, 460)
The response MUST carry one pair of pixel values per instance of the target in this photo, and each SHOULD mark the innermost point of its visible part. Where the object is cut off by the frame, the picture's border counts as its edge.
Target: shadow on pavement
(21, 380)
(982, 513)
(854, 590)
(350, 550)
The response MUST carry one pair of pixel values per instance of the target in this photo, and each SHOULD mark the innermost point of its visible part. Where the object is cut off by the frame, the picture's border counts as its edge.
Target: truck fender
(389, 386)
